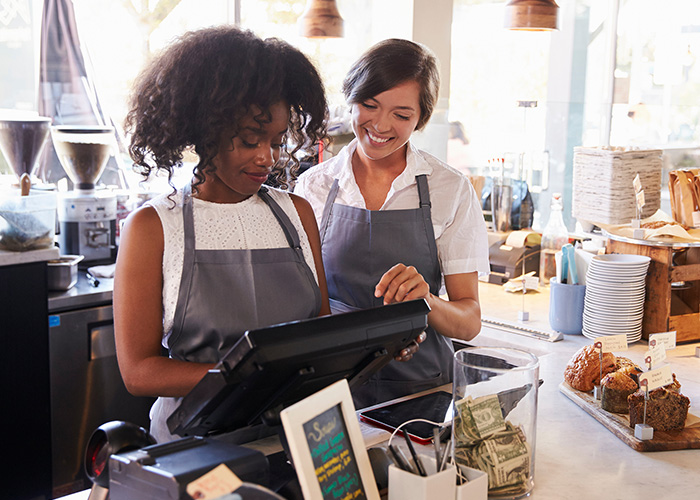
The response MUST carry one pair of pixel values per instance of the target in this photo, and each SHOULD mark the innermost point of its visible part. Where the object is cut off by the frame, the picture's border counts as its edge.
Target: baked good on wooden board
(628, 367)
(583, 371)
(667, 408)
(616, 386)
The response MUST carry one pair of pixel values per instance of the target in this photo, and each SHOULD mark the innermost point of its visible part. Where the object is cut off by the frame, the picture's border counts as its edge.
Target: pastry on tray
(667, 408)
(583, 371)
(616, 386)
(656, 224)
(628, 367)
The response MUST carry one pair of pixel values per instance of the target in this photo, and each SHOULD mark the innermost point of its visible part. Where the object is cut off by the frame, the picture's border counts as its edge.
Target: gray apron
(224, 293)
(358, 247)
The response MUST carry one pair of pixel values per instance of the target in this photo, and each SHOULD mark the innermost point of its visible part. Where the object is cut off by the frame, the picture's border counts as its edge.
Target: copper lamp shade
(321, 19)
(531, 15)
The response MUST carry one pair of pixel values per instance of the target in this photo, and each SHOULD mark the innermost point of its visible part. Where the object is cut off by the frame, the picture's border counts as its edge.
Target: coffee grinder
(22, 140)
(87, 216)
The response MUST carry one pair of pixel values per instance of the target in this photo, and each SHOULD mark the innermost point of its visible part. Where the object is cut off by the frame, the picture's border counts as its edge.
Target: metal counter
(83, 294)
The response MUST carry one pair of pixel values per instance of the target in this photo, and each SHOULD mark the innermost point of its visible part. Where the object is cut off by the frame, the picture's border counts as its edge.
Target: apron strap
(289, 230)
(423, 191)
(187, 263)
(325, 219)
(424, 197)
(187, 217)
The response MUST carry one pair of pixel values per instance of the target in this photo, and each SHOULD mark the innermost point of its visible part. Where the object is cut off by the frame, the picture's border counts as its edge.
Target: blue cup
(566, 307)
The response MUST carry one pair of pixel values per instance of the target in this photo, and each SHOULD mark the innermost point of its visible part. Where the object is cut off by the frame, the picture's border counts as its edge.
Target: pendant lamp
(531, 15)
(321, 19)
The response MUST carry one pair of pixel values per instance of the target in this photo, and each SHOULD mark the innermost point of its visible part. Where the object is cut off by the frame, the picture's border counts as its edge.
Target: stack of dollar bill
(485, 440)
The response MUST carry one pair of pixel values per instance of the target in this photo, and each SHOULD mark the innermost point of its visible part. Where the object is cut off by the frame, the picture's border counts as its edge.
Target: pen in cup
(414, 456)
(400, 459)
(436, 444)
(445, 453)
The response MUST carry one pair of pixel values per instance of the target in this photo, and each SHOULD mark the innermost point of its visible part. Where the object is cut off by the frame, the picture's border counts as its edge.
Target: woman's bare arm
(138, 313)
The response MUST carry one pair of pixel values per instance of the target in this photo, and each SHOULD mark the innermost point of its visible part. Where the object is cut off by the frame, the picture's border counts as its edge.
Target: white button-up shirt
(460, 230)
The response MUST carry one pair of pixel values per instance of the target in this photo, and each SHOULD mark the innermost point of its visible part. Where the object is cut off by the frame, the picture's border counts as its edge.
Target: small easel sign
(327, 448)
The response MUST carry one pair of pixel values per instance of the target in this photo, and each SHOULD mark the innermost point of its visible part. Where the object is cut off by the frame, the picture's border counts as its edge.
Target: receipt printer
(507, 254)
(165, 470)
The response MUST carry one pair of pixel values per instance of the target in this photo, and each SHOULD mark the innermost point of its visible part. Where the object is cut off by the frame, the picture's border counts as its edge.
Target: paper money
(485, 441)
(466, 431)
(487, 415)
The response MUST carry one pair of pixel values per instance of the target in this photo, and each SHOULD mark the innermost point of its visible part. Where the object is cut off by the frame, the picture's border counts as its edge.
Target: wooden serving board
(619, 424)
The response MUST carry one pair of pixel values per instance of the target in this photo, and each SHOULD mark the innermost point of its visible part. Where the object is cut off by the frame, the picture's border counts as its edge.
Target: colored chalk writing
(332, 455)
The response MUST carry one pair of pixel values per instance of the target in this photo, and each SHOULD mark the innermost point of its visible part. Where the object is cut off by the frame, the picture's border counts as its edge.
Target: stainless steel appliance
(87, 216)
(22, 140)
(86, 385)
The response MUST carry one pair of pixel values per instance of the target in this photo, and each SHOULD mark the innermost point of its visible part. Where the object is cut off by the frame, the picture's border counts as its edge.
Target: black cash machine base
(274, 367)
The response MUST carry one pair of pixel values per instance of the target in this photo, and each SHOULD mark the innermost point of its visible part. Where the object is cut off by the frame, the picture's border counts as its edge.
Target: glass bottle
(554, 236)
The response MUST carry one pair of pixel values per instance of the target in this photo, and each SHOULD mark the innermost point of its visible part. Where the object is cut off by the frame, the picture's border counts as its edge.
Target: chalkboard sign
(334, 461)
(327, 448)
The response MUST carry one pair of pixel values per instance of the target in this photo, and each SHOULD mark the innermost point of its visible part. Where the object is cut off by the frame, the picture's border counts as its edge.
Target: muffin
(583, 371)
(617, 386)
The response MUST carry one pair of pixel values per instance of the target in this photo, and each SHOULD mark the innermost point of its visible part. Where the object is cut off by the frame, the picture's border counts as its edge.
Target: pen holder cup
(566, 307)
(495, 417)
(404, 485)
(476, 487)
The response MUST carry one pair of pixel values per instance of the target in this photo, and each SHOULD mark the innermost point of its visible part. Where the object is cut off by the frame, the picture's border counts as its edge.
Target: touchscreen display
(436, 407)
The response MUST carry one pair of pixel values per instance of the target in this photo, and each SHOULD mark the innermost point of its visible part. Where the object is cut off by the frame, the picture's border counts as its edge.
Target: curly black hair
(204, 83)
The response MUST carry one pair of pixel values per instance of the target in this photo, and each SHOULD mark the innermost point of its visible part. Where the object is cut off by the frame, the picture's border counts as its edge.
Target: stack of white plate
(614, 302)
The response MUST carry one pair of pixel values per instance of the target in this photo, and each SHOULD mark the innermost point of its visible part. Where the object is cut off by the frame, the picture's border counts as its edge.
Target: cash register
(267, 370)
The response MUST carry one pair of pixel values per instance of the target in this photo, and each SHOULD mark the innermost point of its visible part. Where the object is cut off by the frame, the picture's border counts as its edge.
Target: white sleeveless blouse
(249, 224)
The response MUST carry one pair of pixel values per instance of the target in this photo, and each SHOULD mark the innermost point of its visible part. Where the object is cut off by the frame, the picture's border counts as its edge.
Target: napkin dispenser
(506, 256)
(165, 470)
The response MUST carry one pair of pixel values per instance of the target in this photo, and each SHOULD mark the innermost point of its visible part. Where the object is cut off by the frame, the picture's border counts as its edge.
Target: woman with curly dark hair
(200, 265)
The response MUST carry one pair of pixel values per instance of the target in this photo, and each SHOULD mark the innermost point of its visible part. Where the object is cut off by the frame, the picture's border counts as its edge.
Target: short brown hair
(390, 63)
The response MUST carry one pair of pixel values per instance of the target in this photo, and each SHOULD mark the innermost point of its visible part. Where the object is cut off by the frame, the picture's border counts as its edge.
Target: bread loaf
(667, 408)
(584, 368)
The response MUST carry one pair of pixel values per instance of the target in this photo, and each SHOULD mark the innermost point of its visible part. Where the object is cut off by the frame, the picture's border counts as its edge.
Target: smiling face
(244, 162)
(384, 123)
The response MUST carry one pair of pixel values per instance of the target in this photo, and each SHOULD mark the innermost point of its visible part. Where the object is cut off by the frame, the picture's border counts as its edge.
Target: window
(616, 73)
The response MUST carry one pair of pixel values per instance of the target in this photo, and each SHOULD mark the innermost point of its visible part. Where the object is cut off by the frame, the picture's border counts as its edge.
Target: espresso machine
(87, 216)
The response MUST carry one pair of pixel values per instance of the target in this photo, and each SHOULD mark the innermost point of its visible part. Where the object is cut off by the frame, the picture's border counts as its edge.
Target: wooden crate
(666, 308)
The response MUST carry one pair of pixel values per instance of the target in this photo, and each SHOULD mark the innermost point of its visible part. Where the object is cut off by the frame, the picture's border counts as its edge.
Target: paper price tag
(640, 199)
(668, 339)
(658, 377)
(637, 183)
(217, 482)
(655, 355)
(610, 343)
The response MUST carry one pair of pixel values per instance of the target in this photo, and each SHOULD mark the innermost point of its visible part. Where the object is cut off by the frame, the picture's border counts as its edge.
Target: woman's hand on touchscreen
(402, 283)
(399, 284)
